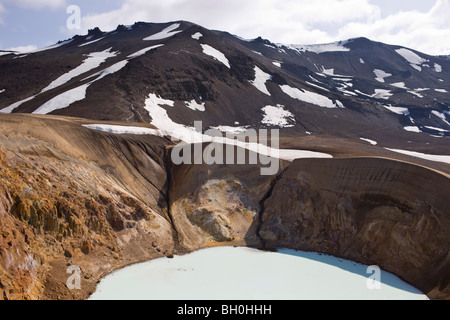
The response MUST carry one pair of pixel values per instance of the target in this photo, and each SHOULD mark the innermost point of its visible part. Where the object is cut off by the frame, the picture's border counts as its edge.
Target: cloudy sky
(423, 25)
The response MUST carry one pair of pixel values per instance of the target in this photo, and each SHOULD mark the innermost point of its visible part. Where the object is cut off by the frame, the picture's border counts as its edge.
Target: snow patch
(93, 61)
(110, 70)
(417, 91)
(400, 85)
(346, 92)
(441, 90)
(362, 61)
(63, 100)
(91, 42)
(197, 36)
(436, 129)
(338, 77)
(343, 85)
(277, 116)
(123, 129)
(5, 53)
(381, 75)
(69, 97)
(216, 54)
(364, 94)
(317, 86)
(15, 105)
(414, 59)
(437, 68)
(398, 110)
(20, 57)
(372, 142)
(430, 157)
(340, 104)
(441, 115)
(315, 80)
(231, 130)
(260, 80)
(2, 90)
(277, 64)
(160, 119)
(319, 48)
(309, 97)
(270, 46)
(343, 79)
(382, 94)
(193, 105)
(329, 72)
(166, 33)
(143, 51)
(413, 129)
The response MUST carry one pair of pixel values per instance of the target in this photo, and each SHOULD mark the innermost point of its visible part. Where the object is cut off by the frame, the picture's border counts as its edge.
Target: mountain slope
(354, 86)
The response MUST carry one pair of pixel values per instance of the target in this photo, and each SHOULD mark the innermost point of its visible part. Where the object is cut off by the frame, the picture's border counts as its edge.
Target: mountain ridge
(323, 74)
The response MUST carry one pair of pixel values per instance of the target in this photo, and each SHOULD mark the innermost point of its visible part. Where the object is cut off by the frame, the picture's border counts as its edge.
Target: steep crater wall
(74, 196)
(370, 210)
(373, 211)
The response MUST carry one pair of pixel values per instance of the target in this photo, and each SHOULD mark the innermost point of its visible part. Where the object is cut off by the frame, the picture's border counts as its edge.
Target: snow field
(310, 97)
(93, 61)
(277, 116)
(430, 157)
(164, 34)
(260, 80)
(414, 60)
(216, 54)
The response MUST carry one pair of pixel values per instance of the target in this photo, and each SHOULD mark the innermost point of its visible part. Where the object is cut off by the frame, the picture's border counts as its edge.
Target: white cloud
(23, 49)
(2, 11)
(290, 21)
(293, 21)
(425, 31)
(30, 4)
(38, 4)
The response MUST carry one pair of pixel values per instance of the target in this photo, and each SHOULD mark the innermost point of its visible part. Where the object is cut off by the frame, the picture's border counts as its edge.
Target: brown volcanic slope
(70, 195)
(73, 196)
(374, 211)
